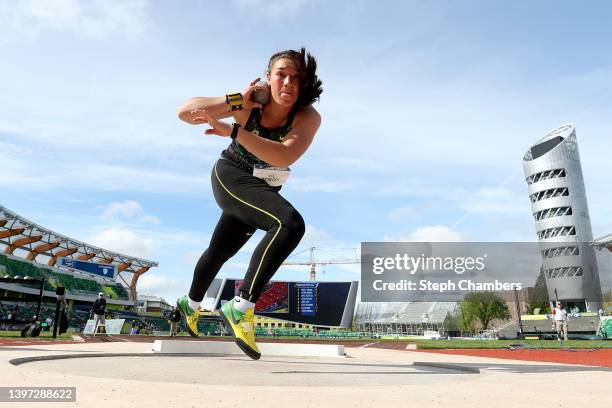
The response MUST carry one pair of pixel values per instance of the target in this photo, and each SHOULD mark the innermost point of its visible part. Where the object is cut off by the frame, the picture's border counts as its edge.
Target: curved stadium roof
(16, 232)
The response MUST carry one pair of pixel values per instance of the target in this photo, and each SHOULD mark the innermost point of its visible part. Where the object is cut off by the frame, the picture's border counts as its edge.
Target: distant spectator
(99, 310)
(63, 325)
(49, 322)
(12, 315)
(175, 318)
(32, 329)
(560, 321)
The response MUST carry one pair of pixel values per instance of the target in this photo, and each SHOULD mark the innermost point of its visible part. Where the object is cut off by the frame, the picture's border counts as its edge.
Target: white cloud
(274, 8)
(130, 211)
(126, 242)
(31, 171)
(354, 163)
(90, 18)
(314, 235)
(239, 265)
(155, 283)
(45, 156)
(432, 233)
(402, 213)
(419, 188)
(138, 137)
(10, 149)
(353, 270)
(190, 258)
(498, 200)
(312, 184)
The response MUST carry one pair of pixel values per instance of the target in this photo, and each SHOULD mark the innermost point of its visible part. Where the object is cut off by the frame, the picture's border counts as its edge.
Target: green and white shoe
(241, 327)
(191, 316)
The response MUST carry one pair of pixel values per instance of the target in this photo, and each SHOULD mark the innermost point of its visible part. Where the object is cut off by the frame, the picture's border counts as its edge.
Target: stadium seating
(26, 310)
(283, 332)
(159, 323)
(54, 278)
(403, 312)
(336, 334)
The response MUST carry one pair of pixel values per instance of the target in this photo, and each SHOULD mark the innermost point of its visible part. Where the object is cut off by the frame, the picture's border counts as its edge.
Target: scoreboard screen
(330, 304)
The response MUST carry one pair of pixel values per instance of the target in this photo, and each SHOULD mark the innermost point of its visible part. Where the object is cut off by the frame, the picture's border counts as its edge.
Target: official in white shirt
(560, 321)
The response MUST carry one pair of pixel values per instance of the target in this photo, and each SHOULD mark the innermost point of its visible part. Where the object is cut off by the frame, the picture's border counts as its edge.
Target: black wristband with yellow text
(234, 100)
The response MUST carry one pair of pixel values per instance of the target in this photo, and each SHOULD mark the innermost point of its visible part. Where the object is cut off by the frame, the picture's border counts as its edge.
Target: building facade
(152, 304)
(559, 206)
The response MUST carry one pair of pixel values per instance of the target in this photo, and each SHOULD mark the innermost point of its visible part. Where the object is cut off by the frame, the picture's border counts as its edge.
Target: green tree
(482, 307)
(467, 319)
(452, 322)
(538, 296)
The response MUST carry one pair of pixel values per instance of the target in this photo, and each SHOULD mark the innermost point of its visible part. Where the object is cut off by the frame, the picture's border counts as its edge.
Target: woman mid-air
(274, 125)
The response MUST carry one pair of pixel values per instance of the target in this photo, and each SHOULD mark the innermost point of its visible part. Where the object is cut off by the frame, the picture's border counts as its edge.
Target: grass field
(467, 344)
(43, 335)
(497, 344)
(398, 344)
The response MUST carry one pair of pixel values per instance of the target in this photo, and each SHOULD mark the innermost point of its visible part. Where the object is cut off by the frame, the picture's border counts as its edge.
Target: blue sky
(428, 108)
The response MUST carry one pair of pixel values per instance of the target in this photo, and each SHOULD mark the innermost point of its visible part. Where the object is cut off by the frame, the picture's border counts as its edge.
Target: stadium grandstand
(30, 251)
(403, 318)
(23, 240)
(604, 242)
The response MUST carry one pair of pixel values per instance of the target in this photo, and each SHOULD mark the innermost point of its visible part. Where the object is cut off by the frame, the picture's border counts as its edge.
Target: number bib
(274, 176)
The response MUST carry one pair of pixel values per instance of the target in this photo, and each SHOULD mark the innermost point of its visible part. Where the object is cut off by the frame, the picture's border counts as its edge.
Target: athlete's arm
(217, 106)
(293, 146)
(279, 154)
(191, 111)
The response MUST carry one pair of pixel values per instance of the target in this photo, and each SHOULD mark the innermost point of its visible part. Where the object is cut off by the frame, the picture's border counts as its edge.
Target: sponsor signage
(96, 269)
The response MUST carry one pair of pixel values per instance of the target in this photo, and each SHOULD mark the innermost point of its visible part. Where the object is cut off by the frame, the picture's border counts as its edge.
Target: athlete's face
(284, 82)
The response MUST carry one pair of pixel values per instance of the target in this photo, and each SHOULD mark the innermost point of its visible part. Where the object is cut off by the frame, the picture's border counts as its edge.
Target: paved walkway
(367, 378)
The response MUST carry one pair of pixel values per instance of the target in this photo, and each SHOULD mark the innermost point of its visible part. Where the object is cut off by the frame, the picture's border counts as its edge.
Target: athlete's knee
(294, 223)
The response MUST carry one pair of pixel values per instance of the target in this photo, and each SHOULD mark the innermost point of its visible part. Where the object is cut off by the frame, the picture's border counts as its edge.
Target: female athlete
(274, 124)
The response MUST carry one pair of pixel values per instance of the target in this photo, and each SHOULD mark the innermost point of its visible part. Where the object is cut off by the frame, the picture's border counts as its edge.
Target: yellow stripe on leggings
(280, 224)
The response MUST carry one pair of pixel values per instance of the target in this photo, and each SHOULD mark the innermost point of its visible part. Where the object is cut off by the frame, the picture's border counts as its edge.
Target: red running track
(600, 358)
(15, 342)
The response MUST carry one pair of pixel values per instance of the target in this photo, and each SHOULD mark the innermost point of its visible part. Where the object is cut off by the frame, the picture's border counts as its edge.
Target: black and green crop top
(240, 155)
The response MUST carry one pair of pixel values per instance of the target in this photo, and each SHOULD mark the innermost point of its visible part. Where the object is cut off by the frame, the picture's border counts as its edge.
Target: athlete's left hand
(217, 127)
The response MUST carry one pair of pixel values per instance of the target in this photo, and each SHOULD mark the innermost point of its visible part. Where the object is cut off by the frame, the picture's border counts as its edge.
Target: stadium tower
(559, 206)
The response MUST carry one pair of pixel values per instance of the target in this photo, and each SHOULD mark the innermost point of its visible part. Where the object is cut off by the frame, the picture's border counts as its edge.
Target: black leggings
(248, 204)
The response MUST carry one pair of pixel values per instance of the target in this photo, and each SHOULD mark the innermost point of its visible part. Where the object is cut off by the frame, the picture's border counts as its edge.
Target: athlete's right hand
(247, 95)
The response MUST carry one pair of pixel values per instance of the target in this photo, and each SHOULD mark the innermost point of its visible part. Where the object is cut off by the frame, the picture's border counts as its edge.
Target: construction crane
(313, 263)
